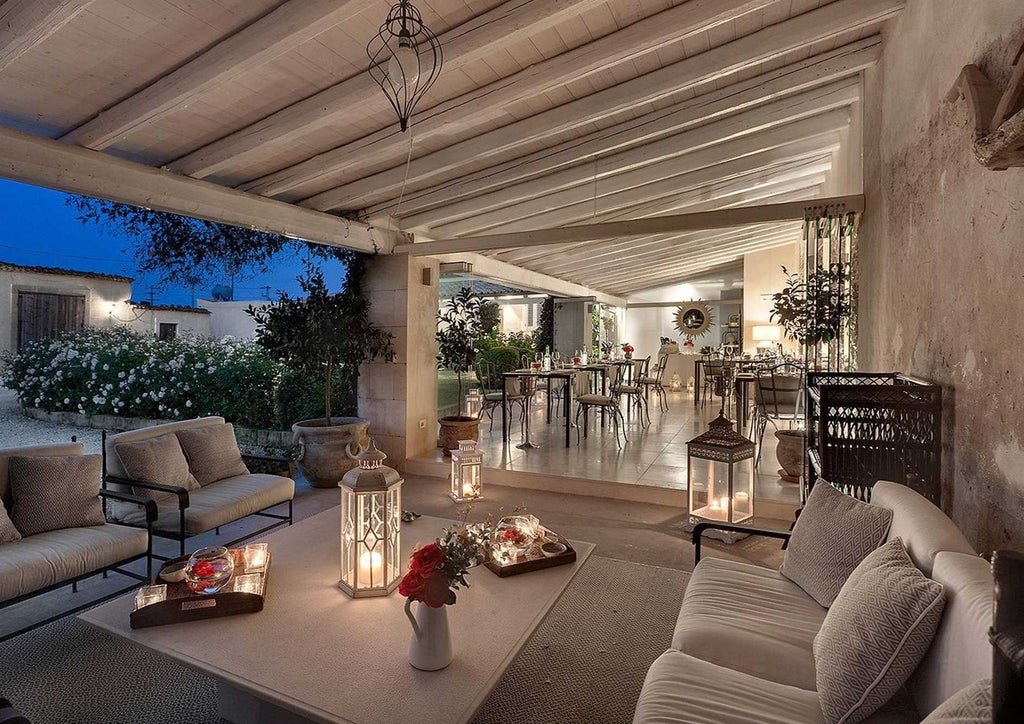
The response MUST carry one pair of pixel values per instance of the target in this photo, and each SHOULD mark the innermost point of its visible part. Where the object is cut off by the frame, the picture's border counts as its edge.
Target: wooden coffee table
(313, 654)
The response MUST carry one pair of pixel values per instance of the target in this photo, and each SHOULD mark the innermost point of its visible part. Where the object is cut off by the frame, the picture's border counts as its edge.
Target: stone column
(400, 398)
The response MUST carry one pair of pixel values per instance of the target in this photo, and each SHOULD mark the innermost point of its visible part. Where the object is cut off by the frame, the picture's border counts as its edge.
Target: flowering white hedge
(117, 371)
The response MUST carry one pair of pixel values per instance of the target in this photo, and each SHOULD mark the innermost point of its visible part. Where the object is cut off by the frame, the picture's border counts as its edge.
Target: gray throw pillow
(875, 634)
(831, 537)
(55, 492)
(212, 452)
(156, 460)
(971, 705)
(8, 533)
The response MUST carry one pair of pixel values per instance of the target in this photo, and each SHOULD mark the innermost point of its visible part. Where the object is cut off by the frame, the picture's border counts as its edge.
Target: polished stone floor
(654, 456)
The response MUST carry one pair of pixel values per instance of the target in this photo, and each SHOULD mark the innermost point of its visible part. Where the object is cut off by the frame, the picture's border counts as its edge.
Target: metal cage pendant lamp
(405, 59)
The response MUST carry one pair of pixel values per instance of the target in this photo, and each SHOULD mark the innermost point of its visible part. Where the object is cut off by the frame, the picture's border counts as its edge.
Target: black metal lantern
(720, 475)
(405, 59)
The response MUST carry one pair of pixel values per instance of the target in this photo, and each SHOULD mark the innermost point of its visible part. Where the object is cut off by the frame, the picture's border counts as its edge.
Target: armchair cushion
(832, 536)
(156, 460)
(970, 705)
(875, 634)
(45, 559)
(54, 492)
(212, 452)
(8, 533)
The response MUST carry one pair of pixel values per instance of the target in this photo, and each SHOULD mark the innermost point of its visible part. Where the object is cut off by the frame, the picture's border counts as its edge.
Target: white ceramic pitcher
(431, 646)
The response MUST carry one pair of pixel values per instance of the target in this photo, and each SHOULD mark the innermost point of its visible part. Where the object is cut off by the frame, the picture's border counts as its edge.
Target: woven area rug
(586, 662)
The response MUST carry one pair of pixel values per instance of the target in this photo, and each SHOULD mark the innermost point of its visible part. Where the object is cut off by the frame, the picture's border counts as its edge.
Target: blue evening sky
(40, 229)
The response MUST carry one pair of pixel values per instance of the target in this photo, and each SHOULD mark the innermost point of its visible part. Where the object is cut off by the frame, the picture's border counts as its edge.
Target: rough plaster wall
(942, 254)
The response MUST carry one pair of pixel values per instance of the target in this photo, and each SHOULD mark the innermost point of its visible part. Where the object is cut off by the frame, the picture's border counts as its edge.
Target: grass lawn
(448, 390)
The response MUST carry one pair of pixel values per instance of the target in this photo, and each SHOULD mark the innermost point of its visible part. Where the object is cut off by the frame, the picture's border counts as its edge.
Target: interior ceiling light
(405, 59)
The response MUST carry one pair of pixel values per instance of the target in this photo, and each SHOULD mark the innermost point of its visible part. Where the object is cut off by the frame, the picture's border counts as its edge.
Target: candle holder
(720, 477)
(467, 468)
(371, 509)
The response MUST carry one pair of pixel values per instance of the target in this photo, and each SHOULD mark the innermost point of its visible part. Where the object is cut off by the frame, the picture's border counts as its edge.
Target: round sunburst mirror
(694, 319)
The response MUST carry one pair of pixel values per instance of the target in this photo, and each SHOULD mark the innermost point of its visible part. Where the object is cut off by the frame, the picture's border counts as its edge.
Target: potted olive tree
(459, 325)
(324, 334)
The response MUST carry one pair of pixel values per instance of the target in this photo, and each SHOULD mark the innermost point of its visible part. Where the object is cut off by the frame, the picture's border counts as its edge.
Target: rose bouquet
(439, 568)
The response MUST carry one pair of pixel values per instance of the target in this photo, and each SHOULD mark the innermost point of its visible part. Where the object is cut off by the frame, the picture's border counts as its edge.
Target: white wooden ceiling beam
(468, 111)
(823, 23)
(634, 176)
(505, 273)
(272, 35)
(30, 159)
(509, 23)
(718, 219)
(24, 24)
(788, 80)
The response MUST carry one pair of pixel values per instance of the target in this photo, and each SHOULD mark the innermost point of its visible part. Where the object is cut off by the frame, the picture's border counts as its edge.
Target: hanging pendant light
(405, 59)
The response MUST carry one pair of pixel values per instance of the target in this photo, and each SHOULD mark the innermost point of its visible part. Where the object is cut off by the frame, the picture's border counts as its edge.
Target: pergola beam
(823, 23)
(454, 198)
(508, 23)
(30, 159)
(480, 105)
(24, 24)
(629, 178)
(277, 32)
(722, 218)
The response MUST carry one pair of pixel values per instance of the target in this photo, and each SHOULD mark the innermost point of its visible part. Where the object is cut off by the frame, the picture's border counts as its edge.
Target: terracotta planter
(326, 453)
(790, 452)
(454, 429)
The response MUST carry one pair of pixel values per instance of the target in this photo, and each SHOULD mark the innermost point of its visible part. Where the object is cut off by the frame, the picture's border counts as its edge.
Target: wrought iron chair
(585, 401)
(490, 383)
(633, 390)
(714, 370)
(778, 398)
(656, 381)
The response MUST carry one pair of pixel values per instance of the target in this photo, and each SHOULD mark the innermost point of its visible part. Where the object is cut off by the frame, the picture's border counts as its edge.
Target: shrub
(301, 397)
(504, 359)
(119, 372)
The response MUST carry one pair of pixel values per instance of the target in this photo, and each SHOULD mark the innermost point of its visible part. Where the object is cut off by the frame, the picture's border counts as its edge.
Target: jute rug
(586, 662)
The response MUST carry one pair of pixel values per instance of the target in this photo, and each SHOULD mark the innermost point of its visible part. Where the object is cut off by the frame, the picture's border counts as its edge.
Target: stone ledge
(281, 439)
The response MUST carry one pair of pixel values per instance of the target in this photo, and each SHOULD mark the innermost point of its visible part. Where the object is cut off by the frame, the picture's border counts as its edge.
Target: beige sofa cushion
(54, 492)
(8, 533)
(832, 536)
(156, 460)
(970, 705)
(963, 633)
(682, 689)
(212, 452)
(225, 501)
(924, 529)
(750, 619)
(71, 448)
(875, 634)
(45, 559)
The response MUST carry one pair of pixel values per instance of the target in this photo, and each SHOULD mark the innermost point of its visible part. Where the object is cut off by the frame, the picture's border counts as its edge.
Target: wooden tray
(525, 565)
(183, 605)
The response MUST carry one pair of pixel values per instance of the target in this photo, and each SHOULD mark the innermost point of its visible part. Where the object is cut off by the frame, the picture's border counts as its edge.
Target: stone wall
(942, 253)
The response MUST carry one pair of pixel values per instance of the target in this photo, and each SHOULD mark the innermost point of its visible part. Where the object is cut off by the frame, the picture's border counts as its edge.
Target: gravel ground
(16, 430)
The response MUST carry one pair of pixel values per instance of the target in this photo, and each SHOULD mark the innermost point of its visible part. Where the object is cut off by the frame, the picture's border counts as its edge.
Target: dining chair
(585, 401)
(491, 383)
(632, 390)
(778, 398)
(656, 381)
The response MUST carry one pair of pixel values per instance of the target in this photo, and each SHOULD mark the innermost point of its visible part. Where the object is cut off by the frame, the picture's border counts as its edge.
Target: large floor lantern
(720, 474)
(405, 59)
(467, 464)
(371, 509)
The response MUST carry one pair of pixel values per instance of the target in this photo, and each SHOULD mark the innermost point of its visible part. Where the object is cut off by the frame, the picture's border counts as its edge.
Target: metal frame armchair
(491, 383)
(657, 383)
(778, 397)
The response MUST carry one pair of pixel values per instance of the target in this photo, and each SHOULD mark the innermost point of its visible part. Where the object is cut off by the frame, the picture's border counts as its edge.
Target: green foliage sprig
(458, 327)
(814, 310)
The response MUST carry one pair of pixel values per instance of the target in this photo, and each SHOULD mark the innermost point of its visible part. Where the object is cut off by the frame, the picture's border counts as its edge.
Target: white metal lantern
(720, 474)
(467, 464)
(474, 403)
(371, 509)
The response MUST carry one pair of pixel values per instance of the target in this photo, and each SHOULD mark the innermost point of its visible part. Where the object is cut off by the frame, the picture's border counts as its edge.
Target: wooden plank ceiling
(548, 113)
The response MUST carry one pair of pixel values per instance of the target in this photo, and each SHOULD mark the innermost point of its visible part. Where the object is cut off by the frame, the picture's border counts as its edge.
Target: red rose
(435, 589)
(412, 586)
(203, 569)
(426, 559)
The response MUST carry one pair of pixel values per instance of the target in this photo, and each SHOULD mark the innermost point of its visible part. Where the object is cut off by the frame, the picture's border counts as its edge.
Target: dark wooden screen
(42, 315)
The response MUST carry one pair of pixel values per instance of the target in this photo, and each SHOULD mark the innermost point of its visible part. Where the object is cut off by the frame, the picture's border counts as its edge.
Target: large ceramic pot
(327, 452)
(455, 428)
(790, 452)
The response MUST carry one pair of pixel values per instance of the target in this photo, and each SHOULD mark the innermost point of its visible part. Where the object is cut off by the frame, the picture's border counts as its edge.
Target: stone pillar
(400, 398)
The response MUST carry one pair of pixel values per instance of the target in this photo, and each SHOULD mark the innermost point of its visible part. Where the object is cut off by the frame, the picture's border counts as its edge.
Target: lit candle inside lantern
(371, 567)
(150, 594)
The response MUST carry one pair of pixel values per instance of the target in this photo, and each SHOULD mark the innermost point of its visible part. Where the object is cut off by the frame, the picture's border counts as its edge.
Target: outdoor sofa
(742, 646)
(47, 560)
(217, 489)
